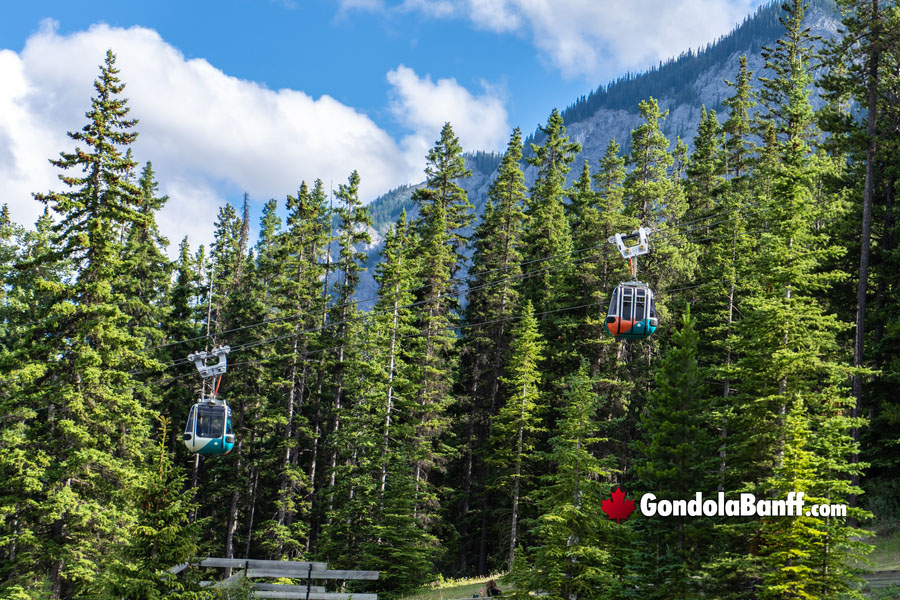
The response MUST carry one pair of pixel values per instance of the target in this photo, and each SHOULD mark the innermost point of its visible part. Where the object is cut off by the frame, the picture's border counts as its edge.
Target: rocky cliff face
(710, 68)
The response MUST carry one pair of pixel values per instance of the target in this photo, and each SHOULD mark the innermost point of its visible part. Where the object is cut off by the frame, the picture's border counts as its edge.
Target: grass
(452, 589)
(886, 553)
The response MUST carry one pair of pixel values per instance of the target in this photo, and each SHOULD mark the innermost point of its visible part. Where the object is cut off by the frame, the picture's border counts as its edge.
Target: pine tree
(547, 236)
(162, 536)
(492, 298)
(444, 210)
(574, 541)
(677, 451)
(519, 421)
(94, 432)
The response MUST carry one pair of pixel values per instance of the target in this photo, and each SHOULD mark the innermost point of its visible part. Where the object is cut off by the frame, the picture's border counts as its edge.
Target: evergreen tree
(547, 240)
(162, 536)
(787, 340)
(601, 215)
(94, 432)
(182, 323)
(706, 168)
(653, 196)
(574, 541)
(147, 269)
(352, 231)
(297, 294)
(737, 126)
(35, 279)
(519, 421)
(649, 191)
(444, 209)
(492, 298)
(677, 451)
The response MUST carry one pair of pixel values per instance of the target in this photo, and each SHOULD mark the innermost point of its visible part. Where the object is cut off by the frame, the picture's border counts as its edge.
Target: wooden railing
(287, 569)
(881, 579)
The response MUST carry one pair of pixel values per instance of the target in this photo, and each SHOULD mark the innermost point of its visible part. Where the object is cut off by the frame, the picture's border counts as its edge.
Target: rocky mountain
(682, 86)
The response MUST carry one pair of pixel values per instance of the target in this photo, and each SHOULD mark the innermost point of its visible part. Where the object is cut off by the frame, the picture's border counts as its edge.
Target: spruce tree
(94, 431)
(161, 537)
(354, 219)
(548, 240)
(444, 210)
(706, 168)
(297, 295)
(787, 340)
(600, 267)
(35, 279)
(574, 541)
(677, 452)
(737, 126)
(519, 421)
(492, 297)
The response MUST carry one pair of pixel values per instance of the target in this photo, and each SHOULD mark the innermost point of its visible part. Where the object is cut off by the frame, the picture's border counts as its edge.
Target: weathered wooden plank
(882, 575)
(287, 570)
(286, 587)
(329, 596)
(344, 574)
(881, 579)
(239, 563)
(315, 589)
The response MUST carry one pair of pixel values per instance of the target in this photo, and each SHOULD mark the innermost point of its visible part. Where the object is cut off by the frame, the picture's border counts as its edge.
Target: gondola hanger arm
(206, 371)
(641, 234)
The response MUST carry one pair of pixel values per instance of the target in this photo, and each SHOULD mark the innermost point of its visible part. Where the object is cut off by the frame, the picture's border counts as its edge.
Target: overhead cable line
(417, 303)
(668, 232)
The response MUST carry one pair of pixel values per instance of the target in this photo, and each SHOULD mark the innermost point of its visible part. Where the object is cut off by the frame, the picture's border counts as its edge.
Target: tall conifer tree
(94, 430)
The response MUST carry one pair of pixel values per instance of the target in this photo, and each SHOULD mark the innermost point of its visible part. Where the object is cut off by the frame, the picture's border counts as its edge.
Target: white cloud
(206, 132)
(496, 15)
(433, 8)
(423, 106)
(589, 38)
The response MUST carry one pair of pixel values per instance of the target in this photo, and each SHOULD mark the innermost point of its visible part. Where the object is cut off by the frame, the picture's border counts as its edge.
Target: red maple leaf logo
(618, 508)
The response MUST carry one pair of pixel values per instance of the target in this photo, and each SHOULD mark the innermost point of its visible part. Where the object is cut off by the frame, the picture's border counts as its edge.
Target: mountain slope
(681, 85)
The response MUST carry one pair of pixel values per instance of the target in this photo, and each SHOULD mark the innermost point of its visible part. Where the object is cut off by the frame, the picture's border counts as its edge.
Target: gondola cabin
(632, 312)
(208, 429)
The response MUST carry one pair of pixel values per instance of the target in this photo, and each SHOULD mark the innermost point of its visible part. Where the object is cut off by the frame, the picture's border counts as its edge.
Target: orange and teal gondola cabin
(208, 429)
(632, 312)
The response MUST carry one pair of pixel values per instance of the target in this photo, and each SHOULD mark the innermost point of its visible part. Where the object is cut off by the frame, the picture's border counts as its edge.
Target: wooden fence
(881, 579)
(309, 571)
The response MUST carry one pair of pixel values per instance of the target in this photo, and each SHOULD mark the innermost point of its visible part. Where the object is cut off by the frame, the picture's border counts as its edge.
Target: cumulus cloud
(590, 38)
(207, 132)
(423, 106)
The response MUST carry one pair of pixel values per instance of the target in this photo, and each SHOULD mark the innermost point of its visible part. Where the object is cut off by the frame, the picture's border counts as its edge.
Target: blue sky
(254, 96)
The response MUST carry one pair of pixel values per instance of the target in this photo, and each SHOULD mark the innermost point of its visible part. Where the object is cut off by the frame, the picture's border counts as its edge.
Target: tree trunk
(252, 511)
(515, 505)
(868, 193)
